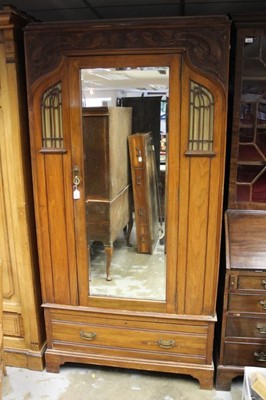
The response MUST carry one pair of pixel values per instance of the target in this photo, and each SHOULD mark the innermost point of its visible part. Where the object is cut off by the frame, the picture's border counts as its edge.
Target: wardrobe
(172, 329)
(22, 317)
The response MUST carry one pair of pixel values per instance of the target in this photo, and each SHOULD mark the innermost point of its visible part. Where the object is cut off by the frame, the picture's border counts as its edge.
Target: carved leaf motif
(204, 45)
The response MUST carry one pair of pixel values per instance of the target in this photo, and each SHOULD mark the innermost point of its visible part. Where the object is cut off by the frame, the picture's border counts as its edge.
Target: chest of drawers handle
(263, 282)
(263, 304)
(261, 328)
(87, 335)
(166, 344)
(260, 356)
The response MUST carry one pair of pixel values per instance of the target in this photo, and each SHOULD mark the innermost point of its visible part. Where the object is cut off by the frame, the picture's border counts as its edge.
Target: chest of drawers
(243, 318)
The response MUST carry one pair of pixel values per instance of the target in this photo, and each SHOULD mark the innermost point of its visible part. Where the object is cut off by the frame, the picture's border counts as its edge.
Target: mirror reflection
(125, 126)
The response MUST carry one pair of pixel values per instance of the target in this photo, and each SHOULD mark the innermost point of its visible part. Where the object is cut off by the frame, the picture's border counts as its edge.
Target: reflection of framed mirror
(87, 322)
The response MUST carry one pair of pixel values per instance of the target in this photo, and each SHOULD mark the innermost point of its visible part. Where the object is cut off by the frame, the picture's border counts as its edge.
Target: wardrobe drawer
(247, 303)
(252, 282)
(248, 327)
(245, 354)
(131, 339)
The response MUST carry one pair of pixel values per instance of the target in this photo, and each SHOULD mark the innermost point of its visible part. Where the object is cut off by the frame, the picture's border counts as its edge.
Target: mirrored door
(124, 120)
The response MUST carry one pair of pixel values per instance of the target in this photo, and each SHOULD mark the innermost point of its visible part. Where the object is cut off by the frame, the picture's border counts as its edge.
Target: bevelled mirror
(125, 129)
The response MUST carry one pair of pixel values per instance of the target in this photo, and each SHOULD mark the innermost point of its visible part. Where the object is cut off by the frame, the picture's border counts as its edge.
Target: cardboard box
(254, 386)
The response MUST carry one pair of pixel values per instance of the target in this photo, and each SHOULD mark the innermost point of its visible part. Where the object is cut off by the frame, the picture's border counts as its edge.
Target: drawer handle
(261, 328)
(263, 303)
(263, 282)
(260, 356)
(88, 335)
(166, 344)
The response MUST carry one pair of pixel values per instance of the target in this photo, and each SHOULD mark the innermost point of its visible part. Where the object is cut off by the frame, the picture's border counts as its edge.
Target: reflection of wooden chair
(106, 175)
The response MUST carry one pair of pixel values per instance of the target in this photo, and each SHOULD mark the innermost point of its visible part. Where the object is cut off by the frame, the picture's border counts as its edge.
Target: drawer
(248, 327)
(132, 339)
(252, 282)
(250, 303)
(245, 354)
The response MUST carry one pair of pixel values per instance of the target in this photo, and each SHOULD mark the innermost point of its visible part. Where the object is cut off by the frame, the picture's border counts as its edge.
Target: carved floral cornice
(205, 42)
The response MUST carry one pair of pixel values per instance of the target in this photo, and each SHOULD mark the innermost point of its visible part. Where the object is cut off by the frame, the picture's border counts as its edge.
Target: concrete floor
(135, 275)
(97, 383)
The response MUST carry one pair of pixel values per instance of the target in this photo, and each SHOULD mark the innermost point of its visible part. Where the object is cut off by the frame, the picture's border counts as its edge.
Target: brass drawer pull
(166, 344)
(263, 282)
(263, 303)
(88, 335)
(261, 328)
(260, 356)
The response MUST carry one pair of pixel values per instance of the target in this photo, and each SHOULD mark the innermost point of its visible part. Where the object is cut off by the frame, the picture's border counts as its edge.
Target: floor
(134, 275)
(97, 383)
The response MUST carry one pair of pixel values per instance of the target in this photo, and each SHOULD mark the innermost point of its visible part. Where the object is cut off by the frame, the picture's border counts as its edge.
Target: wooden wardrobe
(23, 322)
(172, 332)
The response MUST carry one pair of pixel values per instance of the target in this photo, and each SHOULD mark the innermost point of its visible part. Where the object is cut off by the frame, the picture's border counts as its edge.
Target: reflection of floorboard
(134, 275)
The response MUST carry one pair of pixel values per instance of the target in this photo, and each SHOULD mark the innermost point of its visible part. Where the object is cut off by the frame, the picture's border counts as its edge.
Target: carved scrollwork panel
(204, 43)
